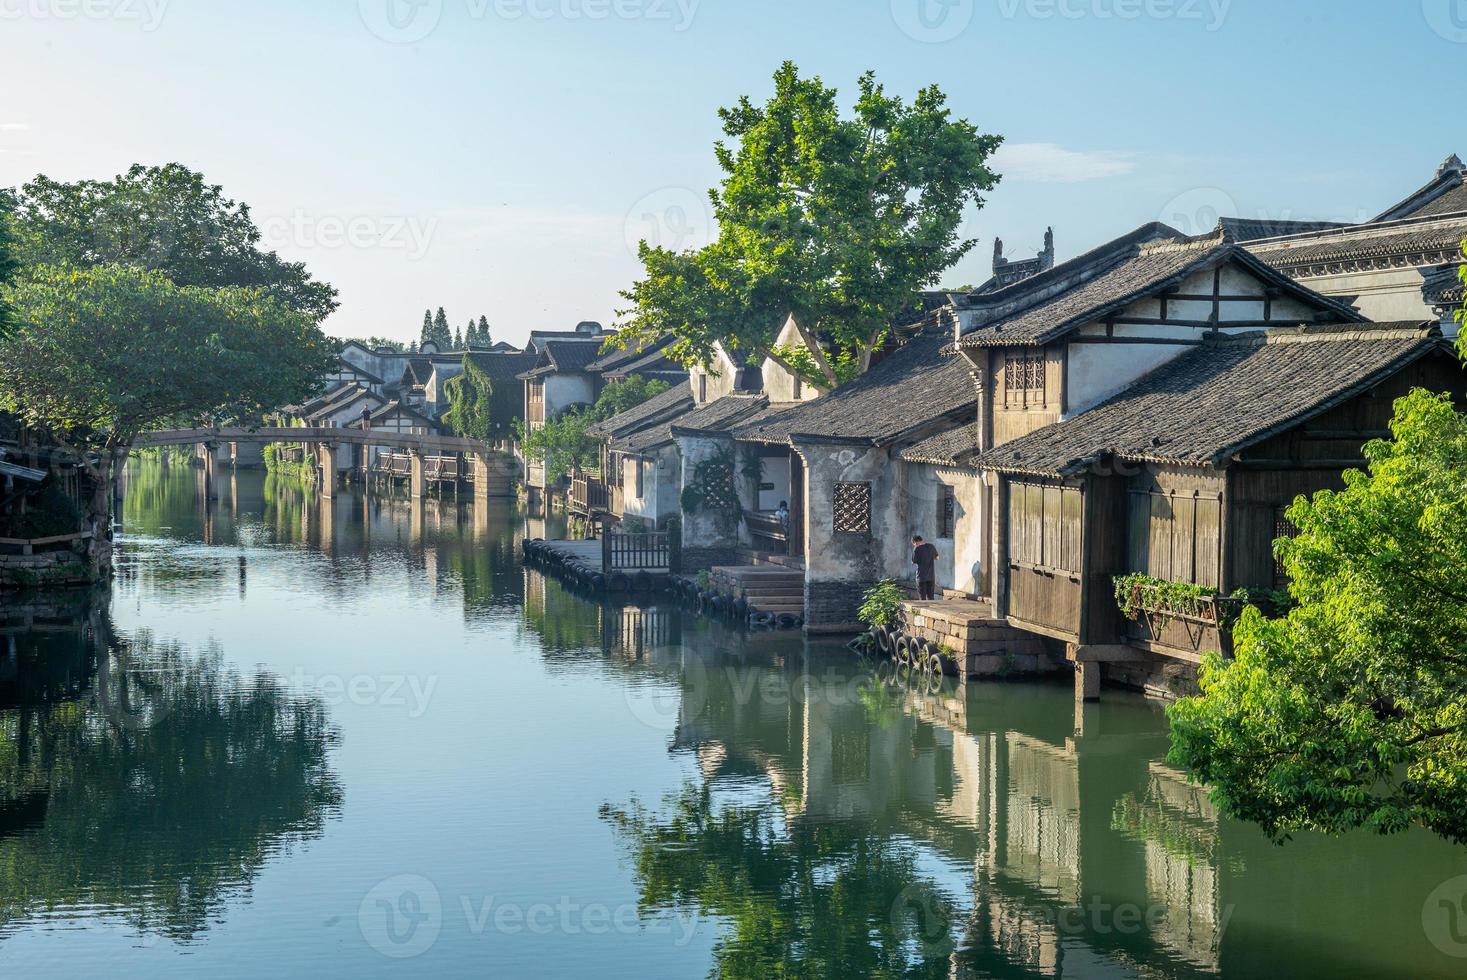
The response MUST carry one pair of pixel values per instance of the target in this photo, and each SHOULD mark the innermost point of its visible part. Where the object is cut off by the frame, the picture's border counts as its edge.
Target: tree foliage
(471, 404)
(100, 354)
(165, 219)
(1351, 711)
(563, 443)
(837, 220)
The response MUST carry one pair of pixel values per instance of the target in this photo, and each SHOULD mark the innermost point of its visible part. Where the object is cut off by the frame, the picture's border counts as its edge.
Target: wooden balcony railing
(588, 496)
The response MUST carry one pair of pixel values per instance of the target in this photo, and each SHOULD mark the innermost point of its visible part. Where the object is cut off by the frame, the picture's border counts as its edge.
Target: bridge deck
(331, 436)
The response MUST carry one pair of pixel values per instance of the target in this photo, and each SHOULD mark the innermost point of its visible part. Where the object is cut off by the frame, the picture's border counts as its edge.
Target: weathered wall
(708, 539)
(840, 566)
(961, 566)
(661, 487)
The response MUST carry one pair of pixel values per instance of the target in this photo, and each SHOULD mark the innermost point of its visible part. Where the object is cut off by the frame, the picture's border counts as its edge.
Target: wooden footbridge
(492, 471)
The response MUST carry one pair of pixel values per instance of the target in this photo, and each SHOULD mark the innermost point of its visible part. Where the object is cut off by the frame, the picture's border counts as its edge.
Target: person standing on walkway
(925, 556)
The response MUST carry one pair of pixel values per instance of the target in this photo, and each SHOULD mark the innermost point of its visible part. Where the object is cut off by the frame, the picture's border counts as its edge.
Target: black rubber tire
(787, 621)
(617, 582)
(740, 608)
(885, 641)
(642, 581)
(762, 619)
(936, 665)
(904, 651)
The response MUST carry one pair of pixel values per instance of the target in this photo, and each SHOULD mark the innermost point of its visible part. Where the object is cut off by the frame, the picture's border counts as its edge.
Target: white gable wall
(1097, 370)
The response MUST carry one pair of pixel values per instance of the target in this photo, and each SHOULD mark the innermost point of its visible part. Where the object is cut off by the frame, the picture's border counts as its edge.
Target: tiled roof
(418, 370)
(1220, 397)
(954, 447)
(1359, 242)
(397, 406)
(503, 365)
(1443, 194)
(1140, 270)
(721, 413)
(614, 358)
(908, 390)
(1251, 229)
(654, 409)
(646, 440)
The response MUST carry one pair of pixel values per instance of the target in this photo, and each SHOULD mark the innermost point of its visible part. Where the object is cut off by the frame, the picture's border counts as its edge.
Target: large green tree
(838, 220)
(101, 354)
(1351, 711)
(166, 219)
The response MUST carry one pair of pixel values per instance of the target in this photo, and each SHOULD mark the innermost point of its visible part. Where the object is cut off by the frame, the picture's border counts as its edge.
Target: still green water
(356, 739)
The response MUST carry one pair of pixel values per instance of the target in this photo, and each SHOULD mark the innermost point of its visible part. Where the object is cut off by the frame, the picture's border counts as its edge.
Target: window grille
(947, 509)
(1282, 528)
(852, 506)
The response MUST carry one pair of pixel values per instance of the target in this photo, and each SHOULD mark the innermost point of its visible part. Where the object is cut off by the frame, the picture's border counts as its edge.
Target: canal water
(355, 738)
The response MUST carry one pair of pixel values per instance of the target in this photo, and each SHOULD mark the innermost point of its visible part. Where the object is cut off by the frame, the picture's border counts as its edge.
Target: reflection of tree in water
(160, 795)
(803, 900)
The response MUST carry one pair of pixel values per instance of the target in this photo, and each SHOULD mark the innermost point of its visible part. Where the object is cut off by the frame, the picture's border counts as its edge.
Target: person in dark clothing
(925, 556)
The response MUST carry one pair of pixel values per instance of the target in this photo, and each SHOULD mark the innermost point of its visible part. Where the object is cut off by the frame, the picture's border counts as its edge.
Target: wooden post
(417, 477)
(326, 453)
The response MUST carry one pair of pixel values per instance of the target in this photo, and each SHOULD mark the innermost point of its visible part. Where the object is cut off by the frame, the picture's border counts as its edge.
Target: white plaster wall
(777, 472)
(662, 486)
(1097, 371)
(842, 557)
(1383, 295)
(564, 390)
(779, 384)
(960, 566)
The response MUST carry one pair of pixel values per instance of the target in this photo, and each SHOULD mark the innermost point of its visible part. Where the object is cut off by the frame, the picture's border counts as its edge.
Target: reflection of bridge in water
(491, 470)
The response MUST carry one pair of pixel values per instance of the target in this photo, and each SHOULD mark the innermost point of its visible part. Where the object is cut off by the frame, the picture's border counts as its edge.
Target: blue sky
(503, 156)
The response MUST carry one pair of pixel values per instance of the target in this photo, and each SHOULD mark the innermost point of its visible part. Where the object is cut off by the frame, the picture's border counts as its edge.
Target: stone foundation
(1159, 678)
(49, 568)
(983, 646)
(698, 559)
(832, 606)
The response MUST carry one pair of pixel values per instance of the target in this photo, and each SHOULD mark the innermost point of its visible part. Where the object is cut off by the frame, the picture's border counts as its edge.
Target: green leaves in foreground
(1351, 712)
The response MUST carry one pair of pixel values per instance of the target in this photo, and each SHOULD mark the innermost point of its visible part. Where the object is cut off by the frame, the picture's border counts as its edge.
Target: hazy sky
(504, 156)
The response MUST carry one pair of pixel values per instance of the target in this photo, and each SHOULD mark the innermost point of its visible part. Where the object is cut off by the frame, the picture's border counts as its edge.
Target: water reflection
(108, 747)
(851, 823)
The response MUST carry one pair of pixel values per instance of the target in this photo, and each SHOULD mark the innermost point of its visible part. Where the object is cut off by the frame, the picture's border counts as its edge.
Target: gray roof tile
(1220, 397)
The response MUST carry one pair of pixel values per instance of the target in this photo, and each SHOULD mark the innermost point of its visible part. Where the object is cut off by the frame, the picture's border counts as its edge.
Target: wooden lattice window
(1023, 378)
(852, 507)
(947, 512)
(1282, 528)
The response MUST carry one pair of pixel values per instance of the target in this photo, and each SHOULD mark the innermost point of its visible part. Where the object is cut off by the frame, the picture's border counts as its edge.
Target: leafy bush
(882, 605)
(51, 512)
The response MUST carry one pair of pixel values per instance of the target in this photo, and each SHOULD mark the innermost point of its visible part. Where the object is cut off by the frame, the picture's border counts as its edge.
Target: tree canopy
(100, 354)
(1351, 711)
(563, 443)
(166, 219)
(836, 220)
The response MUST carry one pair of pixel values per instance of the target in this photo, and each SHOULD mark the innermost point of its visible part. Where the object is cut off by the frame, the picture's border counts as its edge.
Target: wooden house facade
(1186, 477)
